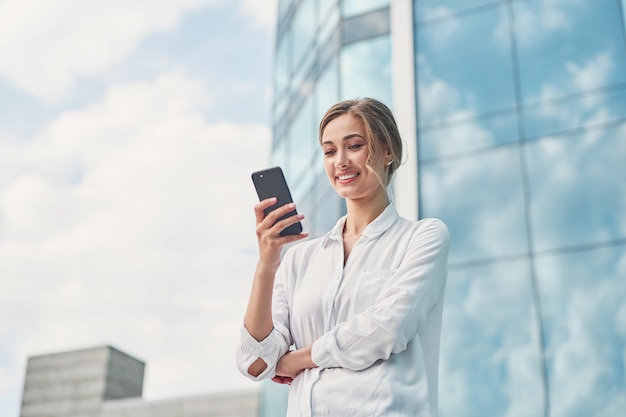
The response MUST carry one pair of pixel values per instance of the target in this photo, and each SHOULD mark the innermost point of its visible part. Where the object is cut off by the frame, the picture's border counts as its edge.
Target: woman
(351, 320)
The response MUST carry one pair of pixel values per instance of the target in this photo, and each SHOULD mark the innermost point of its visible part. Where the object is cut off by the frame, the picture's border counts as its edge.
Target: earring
(389, 163)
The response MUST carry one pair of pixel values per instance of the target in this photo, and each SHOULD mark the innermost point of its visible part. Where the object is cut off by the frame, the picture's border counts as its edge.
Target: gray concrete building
(105, 382)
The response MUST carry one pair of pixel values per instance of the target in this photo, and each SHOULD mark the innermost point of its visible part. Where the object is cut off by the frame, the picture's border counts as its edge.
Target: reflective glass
(280, 154)
(366, 70)
(480, 198)
(365, 26)
(326, 90)
(278, 113)
(282, 64)
(591, 109)
(300, 83)
(464, 67)
(355, 7)
(303, 28)
(305, 200)
(583, 301)
(273, 399)
(327, 26)
(329, 207)
(283, 6)
(566, 47)
(323, 9)
(578, 188)
(434, 9)
(490, 355)
(468, 136)
(303, 147)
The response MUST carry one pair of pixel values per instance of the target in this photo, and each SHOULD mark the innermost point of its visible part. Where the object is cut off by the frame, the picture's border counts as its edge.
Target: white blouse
(374, 323)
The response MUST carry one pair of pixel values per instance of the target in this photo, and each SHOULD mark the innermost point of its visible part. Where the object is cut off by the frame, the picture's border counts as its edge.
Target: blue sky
(128, 132)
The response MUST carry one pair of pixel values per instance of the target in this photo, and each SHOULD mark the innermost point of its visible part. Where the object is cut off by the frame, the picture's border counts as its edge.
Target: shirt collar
(376, 228)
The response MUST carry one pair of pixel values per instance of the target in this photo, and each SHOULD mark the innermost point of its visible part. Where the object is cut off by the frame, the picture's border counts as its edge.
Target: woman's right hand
(268, 230)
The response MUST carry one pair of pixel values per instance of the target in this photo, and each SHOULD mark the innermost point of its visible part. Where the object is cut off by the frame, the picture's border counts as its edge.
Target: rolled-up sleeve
(393, 321)
(275, 345)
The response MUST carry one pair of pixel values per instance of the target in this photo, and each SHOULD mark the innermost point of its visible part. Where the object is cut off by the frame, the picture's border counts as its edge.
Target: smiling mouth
(347, 177)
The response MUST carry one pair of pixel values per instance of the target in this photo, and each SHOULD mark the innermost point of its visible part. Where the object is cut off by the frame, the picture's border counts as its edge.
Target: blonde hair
(379, 123)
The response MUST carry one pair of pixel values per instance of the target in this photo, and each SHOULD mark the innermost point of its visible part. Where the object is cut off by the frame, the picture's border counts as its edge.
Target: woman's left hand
(292, 363)
(284, 380)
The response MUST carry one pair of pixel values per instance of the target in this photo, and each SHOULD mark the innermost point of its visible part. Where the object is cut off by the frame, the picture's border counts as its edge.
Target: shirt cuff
(251, 349)
(320, 354)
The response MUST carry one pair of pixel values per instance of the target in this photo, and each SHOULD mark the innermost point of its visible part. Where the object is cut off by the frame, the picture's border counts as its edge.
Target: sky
(128, 132)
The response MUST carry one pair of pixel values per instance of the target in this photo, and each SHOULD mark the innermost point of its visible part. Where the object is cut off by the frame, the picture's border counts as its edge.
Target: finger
(284, 380)
(259, 209)
(280, 225)
(279, 212)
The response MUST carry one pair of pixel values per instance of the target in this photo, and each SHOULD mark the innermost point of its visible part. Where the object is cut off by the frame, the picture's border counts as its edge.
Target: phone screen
(271, 183)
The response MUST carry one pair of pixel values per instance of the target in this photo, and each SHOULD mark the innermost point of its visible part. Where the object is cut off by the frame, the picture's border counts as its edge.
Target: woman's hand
(291, 364)
(268, 230)
(258, 318)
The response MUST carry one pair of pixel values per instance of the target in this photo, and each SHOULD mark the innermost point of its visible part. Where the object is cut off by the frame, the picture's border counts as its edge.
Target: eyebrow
(347, 137)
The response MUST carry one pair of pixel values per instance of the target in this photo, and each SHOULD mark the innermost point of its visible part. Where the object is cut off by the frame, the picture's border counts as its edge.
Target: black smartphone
(271, 183)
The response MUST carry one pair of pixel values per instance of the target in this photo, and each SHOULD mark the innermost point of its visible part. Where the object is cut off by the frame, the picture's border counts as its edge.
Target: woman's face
(345, 149)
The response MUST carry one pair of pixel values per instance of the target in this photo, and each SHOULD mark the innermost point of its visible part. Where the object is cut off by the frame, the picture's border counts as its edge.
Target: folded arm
(390, 324)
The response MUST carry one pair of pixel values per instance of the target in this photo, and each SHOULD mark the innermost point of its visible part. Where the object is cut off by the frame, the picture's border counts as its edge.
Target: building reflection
(519, 112)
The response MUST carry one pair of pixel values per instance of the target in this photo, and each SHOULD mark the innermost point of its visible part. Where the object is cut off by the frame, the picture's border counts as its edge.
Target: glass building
(514, 118)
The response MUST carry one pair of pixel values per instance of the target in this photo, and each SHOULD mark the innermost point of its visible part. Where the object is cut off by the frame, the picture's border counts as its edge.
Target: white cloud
(593, 73)
(263, 12)
(130, 222)
(536, 22)
(45, 46)
(581, 295)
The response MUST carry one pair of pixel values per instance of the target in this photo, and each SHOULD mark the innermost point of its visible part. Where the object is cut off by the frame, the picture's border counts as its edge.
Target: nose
(342, 160)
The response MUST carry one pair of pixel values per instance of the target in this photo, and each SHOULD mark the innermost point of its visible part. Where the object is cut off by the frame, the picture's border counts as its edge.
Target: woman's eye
(329, 152)
(355, 147)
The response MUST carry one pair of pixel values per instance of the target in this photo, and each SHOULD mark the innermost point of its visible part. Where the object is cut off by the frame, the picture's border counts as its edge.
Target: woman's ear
(388, 154)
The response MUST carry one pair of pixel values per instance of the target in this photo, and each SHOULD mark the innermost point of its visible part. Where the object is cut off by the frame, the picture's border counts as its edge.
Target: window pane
(366, 70)
(568, 47)
(303, 147)
(303, 30)
(577, 187)
(462, 137)
(326, 90)
(490, 362)
(366, 26)
(583, 298)
(283, 6)
(464, 67)
(480, 198)
(324, 7)
(280, 156)
(354, 7)
(591, 109)
(273, 399)
(434, 9)
(282, 64)
(329, 207)
(327, 26)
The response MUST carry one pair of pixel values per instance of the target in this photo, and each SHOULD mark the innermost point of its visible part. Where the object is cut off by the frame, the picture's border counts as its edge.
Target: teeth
(346, 177)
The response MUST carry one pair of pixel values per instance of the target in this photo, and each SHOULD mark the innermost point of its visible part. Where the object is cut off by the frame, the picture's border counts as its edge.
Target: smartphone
(271, 183)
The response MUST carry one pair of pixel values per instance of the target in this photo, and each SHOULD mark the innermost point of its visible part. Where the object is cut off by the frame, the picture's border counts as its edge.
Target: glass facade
(521, 150)
(326, 51)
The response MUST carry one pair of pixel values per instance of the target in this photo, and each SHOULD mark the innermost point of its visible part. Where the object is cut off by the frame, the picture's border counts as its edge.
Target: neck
(362, 212)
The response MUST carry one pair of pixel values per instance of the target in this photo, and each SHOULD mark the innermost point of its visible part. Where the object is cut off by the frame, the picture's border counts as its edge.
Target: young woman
(351, 320)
